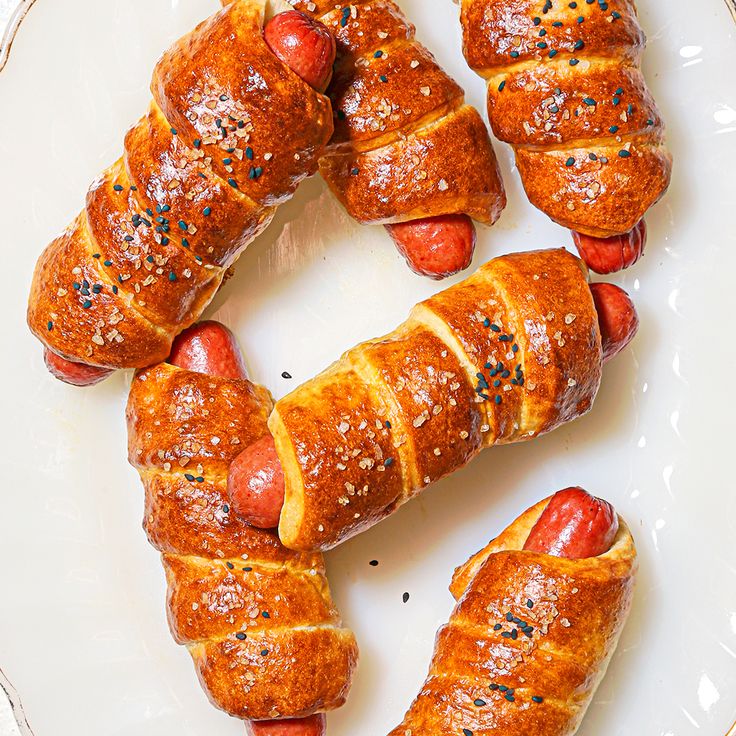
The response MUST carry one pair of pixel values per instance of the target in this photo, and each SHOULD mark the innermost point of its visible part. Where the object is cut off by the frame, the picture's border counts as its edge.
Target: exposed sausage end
(436, 247)
(575, 525)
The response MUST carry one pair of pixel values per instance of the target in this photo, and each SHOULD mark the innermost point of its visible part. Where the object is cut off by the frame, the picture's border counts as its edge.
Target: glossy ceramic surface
(83, 633)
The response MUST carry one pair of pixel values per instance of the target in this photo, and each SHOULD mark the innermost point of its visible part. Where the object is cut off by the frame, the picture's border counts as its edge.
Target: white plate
(83, 633)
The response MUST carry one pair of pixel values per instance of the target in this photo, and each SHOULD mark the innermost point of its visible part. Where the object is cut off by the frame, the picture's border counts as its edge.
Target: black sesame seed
(478, 702)
(266, 614)
(286, 375)
(501, 86)
(373, 563)
(230, 565)
(623, 153)
(537, 698)
(574, 62)
(240, 635)
(189, 476)
(405, 597)
(264, 652)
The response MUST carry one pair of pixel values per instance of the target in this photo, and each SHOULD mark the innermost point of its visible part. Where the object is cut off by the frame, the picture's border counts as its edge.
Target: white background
(83, 634)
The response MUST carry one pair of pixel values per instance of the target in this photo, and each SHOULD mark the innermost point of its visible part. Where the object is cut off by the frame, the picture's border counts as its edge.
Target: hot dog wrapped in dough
(510, 353)
(566, 91)
(257, 619)
(230, 133)
(407, 152)
(533, 630)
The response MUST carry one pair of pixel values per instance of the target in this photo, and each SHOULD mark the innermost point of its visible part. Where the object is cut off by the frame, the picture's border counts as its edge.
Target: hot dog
(304, 45)
(308, 48)
(575, 525)
(256, 484)
(617, 317)
(435, 246)
(211, 348)
(75, 374)
(606, 255)
(315, 725)
(256, 480)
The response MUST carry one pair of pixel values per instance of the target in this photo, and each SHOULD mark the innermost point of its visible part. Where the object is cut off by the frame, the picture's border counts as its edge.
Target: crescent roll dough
(565, 89)
(509, 353)
(486, 681)
(258, 620)
(230, 133)
(406, 145)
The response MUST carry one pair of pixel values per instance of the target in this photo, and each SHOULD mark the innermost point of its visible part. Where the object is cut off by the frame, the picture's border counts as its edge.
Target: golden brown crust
(566, 91)
(405, 145)
(234, 591)
(538, 626)
(342, 473)
(230, 668)
(509, 353)
(433, 180)
(198, 181)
